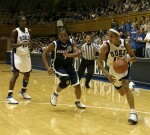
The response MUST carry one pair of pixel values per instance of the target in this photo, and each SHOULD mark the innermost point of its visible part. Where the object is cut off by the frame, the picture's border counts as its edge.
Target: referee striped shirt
(89, 50)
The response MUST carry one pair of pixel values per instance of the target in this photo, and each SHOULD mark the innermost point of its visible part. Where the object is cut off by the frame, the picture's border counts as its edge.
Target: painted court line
(94, 107)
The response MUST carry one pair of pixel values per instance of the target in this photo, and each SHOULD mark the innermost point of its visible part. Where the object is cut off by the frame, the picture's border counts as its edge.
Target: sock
(24, 85)
(10, 93)
(57, 93)
(132, 111)
(77, 100)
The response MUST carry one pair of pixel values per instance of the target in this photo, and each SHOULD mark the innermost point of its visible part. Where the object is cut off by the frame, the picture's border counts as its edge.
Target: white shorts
(119, 77)
(21, 63)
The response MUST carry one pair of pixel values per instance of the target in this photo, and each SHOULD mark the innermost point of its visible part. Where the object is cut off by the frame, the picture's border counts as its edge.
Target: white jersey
(20, 56)
(22, 37)
(114, 52)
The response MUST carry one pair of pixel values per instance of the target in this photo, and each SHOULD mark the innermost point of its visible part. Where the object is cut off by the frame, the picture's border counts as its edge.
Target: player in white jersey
(20, 59)
(113, 49)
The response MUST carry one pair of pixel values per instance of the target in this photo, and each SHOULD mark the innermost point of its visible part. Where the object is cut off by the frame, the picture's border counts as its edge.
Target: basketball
(120, 66)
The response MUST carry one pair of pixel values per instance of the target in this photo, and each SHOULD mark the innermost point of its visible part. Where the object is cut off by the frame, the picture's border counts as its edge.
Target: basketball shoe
(53, 100)
(11, 100)
(25, 95)
(133, 118)
(80, 105)
(132, 88)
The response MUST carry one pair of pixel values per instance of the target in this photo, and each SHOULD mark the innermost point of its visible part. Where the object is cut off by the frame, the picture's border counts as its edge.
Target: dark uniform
(64, 67)
(88, 56)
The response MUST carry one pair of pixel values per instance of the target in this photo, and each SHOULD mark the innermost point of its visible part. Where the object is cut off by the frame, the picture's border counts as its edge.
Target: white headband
(113, 30)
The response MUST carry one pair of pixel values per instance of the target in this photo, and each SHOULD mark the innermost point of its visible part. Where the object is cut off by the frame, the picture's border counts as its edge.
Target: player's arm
(75, 50)
(44, 57)
(130, 52)
(13, 39)
(101, 57)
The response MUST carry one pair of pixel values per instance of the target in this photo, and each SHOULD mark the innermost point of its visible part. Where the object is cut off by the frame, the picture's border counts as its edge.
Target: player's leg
(64, 82)
(90, 69)
(122, 86)
(133, 118)
(25, 81)
(13, 79)
(75, 82)
(78, 93)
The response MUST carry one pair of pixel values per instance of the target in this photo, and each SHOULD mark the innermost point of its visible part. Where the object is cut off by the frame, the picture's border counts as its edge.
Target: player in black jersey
(63, 51)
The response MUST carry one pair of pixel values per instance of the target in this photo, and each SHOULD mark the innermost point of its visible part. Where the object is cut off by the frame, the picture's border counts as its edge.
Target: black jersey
(57, 54)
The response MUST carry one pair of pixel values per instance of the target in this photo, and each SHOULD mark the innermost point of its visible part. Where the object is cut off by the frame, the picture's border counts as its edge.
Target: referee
(88, 51)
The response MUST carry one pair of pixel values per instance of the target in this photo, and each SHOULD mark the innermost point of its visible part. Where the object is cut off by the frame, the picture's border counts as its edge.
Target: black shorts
(67, 71)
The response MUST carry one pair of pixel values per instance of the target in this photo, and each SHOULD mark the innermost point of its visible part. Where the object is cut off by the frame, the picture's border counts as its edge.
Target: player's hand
(27, 43)
(123, 58)
(50, 71)
(30, 43)
(66, 54)
(111, 78)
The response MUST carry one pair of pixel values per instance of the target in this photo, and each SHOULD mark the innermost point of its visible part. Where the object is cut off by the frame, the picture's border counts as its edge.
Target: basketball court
(106, 113)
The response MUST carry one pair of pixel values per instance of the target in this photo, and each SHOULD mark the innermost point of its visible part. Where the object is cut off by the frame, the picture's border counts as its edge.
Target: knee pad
(65, 81)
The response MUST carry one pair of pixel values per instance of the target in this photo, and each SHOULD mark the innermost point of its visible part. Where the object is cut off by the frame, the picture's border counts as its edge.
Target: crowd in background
(132, 31)
(39, 13)
(97, 9)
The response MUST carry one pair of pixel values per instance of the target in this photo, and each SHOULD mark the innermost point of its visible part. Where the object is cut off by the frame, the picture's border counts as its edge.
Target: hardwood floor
(106, 113)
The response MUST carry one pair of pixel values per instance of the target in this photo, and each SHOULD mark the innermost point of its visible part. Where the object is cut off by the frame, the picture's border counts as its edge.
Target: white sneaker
(11, 100)
(133, 118)
(53, 100)
(132, 88)
(80, 105)
(25, 95)
(137, 91)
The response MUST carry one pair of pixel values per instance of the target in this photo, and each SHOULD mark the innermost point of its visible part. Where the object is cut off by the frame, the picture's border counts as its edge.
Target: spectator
(128, 25)
(147, 40)
(114, 24)
(140, 43)
(133, 34)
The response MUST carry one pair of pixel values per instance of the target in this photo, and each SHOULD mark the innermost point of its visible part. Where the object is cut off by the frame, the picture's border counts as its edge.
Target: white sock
(10, 91)
(78, 100)
(132, 111)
